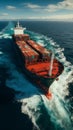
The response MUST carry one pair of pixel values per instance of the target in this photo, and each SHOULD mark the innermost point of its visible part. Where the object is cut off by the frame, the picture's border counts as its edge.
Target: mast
(51, 65)
(18, 25)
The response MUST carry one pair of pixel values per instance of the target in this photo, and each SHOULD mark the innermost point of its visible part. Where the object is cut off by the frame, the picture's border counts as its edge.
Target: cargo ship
(40, 64)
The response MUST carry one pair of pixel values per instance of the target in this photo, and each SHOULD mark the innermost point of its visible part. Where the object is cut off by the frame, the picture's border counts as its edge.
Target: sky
(37, 9)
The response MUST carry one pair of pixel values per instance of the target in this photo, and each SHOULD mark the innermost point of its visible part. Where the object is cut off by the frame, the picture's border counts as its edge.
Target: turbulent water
(54, 114)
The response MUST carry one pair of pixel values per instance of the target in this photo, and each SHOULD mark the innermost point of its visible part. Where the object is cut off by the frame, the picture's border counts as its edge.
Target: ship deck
(43, 68)
(37, 58)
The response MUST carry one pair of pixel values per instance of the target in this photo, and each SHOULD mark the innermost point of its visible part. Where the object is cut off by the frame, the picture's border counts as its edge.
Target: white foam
(59, 50)
(40, 43)
(31, 107)
(5, 36)
(1, 52)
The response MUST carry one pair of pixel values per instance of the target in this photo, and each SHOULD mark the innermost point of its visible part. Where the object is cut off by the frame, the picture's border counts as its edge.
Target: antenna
(18, 24)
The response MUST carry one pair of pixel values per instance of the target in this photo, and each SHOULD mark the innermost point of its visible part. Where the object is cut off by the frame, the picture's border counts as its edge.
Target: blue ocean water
(55, 114)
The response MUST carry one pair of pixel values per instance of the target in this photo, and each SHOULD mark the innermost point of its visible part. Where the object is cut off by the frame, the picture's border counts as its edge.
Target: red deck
(42, 69)
(33, 62)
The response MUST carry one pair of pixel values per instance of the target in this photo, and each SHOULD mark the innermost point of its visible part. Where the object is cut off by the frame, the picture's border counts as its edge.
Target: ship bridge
(19, 29)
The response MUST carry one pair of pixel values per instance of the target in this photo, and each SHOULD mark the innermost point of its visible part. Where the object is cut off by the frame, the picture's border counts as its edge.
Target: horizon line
(66, 20)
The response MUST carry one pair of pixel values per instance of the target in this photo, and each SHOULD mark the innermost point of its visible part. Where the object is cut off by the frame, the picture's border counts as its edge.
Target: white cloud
(66, 4)
(4, 14)
(10, 7)
(32, 6)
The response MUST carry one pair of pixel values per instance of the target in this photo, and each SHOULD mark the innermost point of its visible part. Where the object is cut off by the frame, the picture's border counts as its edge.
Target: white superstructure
(18, 29)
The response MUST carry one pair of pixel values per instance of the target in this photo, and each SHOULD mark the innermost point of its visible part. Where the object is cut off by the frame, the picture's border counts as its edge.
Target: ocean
(22, 105)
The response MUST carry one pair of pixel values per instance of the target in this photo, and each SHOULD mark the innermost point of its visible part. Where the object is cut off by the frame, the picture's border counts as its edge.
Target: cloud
(10, 7)
(32, 6)
(66, 4)
(4, 14)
